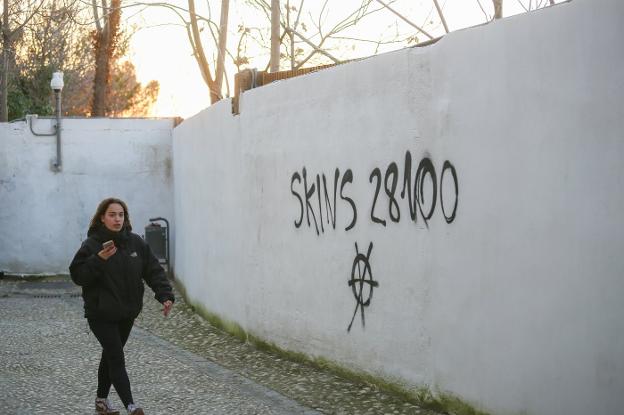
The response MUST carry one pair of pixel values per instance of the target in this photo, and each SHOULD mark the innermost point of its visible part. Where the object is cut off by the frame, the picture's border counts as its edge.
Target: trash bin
(157, 237)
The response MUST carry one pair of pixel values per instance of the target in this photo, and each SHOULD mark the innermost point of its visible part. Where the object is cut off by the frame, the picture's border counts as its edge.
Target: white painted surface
(45, 215)
(516, 306)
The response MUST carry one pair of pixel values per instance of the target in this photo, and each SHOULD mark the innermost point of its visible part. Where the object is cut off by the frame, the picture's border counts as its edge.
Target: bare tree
(305, 39)
(104, 44)
(194, 23)
(302, 44)
(214, 84)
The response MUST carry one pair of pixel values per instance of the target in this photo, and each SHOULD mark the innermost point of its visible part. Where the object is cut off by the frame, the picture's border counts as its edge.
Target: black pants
(113, 336)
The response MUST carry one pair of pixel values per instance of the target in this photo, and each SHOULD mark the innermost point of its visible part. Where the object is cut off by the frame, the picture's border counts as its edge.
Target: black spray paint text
(318, 200)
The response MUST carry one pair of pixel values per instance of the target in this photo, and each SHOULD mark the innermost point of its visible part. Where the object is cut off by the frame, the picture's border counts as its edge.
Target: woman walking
(110, 266)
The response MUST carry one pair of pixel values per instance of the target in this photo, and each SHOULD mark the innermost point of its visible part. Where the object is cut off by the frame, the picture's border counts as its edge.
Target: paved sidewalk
(178, 365)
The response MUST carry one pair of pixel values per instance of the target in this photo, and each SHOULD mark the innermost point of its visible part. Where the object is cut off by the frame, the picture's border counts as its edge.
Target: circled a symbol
(361, 281)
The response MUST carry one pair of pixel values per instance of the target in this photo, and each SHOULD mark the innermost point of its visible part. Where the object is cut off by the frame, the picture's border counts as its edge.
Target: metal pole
(57, 165)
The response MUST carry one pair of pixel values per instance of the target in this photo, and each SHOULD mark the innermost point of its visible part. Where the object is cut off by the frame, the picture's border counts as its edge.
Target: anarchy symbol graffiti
(364, 280)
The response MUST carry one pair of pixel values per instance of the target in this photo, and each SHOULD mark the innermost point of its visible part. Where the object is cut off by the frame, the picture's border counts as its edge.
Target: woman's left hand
(167, 307)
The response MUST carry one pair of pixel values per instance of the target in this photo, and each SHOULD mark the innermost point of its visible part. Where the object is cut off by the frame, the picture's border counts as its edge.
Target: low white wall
(45, 215)
(514, 303)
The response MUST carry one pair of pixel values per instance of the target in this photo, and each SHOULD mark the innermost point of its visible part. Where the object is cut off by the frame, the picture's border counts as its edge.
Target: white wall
(516, 304)
(44, 215)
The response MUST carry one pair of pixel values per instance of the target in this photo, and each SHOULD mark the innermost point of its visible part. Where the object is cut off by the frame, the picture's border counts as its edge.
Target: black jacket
(113, 289)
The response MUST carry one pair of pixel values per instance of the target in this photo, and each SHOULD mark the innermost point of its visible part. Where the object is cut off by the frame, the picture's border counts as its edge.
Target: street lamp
(57, 82)
(57, 86)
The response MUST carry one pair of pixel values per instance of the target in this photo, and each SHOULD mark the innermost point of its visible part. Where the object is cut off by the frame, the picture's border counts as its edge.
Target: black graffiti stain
(448, 166)
(357, 284)
(392, 173)
(422, 200)
(331, 209)
(376, 173)
(425, 168)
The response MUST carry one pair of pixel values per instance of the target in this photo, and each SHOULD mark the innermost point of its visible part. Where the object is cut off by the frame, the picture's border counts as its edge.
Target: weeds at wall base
(443, 403)
(44, 277)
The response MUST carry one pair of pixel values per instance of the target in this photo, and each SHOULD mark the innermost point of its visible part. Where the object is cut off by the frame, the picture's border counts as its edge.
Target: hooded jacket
(112, 289)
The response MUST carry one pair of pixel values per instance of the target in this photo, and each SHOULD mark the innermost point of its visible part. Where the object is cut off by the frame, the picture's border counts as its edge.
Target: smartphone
(107, 244)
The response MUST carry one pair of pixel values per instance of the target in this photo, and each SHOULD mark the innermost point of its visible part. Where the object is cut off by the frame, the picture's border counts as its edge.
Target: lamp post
(57, 86)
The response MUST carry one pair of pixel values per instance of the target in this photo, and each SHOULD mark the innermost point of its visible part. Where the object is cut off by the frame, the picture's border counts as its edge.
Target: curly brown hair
(96, 220)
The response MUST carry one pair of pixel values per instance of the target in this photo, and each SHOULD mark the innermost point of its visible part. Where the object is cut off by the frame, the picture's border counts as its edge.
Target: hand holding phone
(108, 250)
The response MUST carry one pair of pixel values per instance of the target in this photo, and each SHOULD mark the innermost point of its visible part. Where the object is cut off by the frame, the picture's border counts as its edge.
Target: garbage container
(157, 237)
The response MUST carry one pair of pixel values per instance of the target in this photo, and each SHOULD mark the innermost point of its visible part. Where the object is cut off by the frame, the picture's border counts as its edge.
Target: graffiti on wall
(411, 193)
(363, 280)
(319, 205)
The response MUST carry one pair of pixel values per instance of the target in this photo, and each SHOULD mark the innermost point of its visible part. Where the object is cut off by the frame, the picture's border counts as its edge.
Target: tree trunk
(275, 36)
(4, 75)
(498, 9)
(223, 27)
(200, 56)
(104, 45)
(101, 78)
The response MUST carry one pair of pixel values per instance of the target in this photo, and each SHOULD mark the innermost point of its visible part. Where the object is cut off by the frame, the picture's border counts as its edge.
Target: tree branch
(96, 16)
(200, 56)
(223, 24)
(405, 19)
(437, 5)
(313, 46)
(487, 17)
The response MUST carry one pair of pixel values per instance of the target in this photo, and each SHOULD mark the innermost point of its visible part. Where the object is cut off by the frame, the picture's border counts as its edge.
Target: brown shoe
(103, 407)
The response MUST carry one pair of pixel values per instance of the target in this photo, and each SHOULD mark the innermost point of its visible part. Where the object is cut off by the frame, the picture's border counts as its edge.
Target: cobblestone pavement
(177, 365)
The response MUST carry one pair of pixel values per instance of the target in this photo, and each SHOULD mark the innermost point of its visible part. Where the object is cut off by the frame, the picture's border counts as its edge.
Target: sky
(160, 48)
